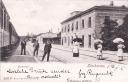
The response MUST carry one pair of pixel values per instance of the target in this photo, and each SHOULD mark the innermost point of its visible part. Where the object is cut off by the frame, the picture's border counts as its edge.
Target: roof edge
(96, 8)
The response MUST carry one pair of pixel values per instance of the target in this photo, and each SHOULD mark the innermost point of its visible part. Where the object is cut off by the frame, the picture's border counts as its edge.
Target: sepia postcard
(64, 40)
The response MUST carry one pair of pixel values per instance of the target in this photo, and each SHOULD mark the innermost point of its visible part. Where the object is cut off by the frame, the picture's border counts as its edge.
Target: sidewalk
(17, 57)
(88, 49)
(108, 55)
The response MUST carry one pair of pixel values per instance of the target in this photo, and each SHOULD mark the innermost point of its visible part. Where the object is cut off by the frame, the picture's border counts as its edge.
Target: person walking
(23, 47)
(75, 49)
(120, 51)
(47, 50)
(36, 48)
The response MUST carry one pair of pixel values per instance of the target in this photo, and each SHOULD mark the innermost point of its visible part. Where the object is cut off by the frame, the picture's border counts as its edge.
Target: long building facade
(87, 24)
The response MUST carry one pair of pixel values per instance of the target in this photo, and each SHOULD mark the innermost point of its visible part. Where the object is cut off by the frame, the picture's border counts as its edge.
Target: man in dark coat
(23, 47)
(47, 50)
(36, 48)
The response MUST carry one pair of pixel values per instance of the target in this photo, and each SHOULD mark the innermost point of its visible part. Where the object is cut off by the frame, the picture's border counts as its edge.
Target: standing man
(47, 50)
(36, 48)
(23, 47)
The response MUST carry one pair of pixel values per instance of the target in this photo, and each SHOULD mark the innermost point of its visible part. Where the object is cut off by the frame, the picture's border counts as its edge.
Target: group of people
(120, 47)
(99, 48)
(47, 48)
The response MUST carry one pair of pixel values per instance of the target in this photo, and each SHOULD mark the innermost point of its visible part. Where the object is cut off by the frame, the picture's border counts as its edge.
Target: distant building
(54, 37)
(87, 24)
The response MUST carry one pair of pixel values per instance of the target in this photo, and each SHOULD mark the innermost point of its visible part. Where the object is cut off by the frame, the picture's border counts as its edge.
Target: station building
(87, 24)
(54, 37)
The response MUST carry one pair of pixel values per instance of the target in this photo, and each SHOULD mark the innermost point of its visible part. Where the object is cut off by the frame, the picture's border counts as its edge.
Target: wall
(86, 31)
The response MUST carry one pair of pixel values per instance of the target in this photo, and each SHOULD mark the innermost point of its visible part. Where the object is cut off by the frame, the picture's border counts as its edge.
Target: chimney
(111, 3)
(75, 13)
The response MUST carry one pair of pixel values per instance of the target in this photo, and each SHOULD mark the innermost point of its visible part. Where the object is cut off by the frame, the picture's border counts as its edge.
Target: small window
(89, 22)
(82, 23)
(77, 25)
(107, 17)
(65, 40)
(2, 20)
(72, 26)
(82, 45)
(68, 27)
(5, 21)
(72, 40)
(65, 28)
(89, 41)
(68, 41)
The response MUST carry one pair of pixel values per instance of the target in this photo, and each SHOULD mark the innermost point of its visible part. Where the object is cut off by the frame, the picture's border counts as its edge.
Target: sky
(39, 16)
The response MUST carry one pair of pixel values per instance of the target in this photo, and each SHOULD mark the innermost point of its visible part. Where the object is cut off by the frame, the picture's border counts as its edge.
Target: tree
(111, 30)
(123, 31)
(108, 33)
